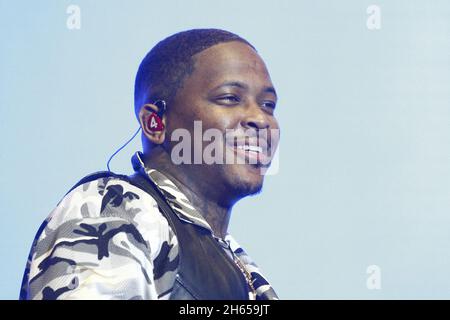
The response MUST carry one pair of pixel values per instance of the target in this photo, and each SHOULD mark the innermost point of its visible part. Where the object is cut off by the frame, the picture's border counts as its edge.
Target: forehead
(227, 62)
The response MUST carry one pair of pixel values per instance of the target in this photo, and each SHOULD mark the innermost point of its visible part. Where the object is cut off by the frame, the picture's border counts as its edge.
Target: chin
(245, 180)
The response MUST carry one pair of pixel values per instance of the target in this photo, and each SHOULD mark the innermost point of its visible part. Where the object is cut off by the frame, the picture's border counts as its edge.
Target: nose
(254, 118)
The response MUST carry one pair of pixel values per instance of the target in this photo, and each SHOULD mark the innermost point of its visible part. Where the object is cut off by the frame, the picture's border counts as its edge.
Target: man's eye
(269, 104)
(229, 99)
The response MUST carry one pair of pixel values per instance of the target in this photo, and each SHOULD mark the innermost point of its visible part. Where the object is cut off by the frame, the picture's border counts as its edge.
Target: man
(162, 232)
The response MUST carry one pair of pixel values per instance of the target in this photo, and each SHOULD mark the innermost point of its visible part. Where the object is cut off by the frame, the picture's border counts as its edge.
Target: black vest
(205, 271)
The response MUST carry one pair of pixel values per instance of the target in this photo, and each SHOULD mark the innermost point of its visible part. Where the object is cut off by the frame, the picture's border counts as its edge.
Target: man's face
(230, 88)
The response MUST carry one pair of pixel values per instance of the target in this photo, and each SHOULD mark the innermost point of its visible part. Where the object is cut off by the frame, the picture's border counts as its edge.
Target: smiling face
(229, 89)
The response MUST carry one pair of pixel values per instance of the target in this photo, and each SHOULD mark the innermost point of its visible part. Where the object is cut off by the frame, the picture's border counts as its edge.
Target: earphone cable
(118, 150)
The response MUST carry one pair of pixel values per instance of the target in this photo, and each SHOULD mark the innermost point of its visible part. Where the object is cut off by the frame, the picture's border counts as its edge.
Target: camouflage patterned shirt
(107, 239)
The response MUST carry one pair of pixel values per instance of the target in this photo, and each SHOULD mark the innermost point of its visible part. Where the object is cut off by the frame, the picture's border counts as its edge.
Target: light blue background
(364, 162)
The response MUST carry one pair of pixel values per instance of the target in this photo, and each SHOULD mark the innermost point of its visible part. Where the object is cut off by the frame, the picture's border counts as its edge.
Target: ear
(147, 111)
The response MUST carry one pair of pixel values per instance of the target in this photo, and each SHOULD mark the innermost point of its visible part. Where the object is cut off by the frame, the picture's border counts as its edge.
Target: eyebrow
(242, 85)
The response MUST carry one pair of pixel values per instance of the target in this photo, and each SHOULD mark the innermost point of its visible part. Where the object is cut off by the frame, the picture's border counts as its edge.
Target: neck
(206, 199)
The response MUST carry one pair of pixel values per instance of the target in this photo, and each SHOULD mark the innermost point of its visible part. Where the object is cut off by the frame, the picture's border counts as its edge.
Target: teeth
(250, 148)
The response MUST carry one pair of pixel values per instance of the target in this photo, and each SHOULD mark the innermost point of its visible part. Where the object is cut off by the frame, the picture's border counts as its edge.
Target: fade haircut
(163, 70)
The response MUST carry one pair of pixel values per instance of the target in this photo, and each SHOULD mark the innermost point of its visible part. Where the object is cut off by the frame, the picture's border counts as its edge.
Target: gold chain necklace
(240, 265)
(246, 274)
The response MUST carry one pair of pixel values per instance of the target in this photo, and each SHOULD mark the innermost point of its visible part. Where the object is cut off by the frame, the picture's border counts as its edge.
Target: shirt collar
(174, 197)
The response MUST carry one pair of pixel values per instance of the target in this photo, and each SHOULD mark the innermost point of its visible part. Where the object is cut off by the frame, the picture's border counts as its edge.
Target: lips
(251, 151)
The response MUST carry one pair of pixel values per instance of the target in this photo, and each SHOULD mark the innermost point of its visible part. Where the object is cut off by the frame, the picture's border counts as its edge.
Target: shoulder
(102, 227)
(112, 202)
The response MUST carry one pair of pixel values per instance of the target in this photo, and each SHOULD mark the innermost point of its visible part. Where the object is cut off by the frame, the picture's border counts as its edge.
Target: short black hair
(163, 69)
